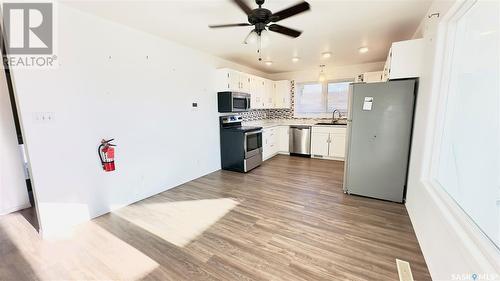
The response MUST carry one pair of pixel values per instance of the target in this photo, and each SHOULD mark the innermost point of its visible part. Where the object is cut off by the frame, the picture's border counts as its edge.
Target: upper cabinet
(265, 93)
(404, 60)
(232, 80)
(282, 92)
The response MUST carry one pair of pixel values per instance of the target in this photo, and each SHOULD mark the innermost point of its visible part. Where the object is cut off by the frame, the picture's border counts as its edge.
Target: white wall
(13, 191)
(331, 73)
(143, 103)
(451, 243)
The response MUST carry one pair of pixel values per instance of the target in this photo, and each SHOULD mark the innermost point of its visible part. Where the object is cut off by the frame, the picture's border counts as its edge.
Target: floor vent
(404, 270)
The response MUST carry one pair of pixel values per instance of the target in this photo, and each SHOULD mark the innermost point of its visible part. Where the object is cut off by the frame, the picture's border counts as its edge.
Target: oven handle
(253, 133)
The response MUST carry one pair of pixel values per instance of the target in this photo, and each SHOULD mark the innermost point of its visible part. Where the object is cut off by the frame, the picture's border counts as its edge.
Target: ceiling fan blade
(243, 6)
(292, 11)
(229, 25)
(285, 30)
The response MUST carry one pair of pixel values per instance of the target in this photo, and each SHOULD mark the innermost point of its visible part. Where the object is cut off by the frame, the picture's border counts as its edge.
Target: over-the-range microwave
(233, 101)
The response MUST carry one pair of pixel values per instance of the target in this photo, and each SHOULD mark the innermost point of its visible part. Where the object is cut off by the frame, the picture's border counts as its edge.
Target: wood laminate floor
(286, 220)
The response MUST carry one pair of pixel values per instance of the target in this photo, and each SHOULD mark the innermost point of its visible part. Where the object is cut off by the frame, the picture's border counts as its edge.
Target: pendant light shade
(322, 76)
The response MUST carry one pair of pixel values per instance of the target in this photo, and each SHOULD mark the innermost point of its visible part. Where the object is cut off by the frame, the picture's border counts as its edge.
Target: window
(468, 153)
(321, 99)
(338, 93)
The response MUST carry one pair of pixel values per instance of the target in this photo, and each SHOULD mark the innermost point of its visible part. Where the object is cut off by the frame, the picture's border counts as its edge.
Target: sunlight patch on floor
(70, 259)
(178, 222)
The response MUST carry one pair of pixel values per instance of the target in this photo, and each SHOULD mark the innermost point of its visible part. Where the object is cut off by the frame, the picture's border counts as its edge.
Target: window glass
(338, 94)
(310, 98)
(321, 99)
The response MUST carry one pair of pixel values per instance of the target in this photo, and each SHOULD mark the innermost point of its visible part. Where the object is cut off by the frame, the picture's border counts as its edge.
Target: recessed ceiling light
(268, 63)
(326, 55)
(363, 50)
(295, 59)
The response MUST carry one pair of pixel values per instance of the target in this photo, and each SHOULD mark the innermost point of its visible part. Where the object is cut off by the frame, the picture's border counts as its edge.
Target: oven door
(253, 143)
(241, 102)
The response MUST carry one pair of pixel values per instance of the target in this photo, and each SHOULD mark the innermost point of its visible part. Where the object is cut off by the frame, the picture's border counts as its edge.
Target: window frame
(324, 89)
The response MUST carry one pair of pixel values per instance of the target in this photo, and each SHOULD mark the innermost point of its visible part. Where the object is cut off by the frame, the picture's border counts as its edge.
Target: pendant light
(322, 76)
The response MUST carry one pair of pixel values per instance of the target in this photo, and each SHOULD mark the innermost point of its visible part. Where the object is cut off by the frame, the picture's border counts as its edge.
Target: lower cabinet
(328, 142)
(283, 139)
(274, 141)
(269, 143)
(337, 146)
(320, 143)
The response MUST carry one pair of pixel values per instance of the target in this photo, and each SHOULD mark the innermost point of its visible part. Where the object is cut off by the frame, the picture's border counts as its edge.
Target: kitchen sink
(331, 123)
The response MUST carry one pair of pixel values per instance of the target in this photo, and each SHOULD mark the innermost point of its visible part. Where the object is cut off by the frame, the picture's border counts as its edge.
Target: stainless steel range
(240, 146)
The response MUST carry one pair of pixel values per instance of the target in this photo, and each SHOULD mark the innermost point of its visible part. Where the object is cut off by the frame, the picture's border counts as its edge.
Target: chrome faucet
(333, 115)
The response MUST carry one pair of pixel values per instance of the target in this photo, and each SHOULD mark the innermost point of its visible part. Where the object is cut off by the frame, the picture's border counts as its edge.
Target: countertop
(269, 123)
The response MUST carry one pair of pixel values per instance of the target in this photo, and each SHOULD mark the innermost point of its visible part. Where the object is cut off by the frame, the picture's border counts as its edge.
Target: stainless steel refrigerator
(379, 128)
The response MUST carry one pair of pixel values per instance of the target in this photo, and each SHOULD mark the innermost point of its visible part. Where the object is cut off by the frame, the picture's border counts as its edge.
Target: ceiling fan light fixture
(326, 55)
(268, 63)
(363, 50)
(252, 38)
(263, 20)
(264, 38)
(295, 59)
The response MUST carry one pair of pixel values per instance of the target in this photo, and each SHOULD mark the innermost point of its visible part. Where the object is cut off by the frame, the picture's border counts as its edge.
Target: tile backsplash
(282, 113)
(260, 114)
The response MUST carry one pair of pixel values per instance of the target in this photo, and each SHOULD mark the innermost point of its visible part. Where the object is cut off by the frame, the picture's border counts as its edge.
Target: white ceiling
(340, 27)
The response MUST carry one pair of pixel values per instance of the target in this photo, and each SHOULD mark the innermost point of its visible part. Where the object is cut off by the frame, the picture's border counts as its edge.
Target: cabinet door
(269, 94)
(255, 93)
(337, 146)
(282, 94)
(245, 83)
(285, 96)
(261, 95)
(277, 100)
(319, 144)
(283, 139)
(234, 83)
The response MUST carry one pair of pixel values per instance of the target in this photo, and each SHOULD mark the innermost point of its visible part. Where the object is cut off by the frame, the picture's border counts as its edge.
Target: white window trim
(475, 242)
(325, 95)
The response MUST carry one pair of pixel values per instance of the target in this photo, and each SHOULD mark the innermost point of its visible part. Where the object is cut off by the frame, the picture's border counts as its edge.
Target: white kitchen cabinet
(282, 94)
(370, 77)
(336, 148)
(264, 93)
(283, 139)
(232, 80)
(320, 144)
(257, 92)
(269, 143)
(269, 93)
(404, 60)
(328, 142)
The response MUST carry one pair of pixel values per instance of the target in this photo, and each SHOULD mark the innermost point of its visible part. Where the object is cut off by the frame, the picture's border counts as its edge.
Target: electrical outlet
(43, 117)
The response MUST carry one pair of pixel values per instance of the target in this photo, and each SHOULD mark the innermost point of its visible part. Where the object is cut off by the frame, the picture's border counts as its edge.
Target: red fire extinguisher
(107, 155)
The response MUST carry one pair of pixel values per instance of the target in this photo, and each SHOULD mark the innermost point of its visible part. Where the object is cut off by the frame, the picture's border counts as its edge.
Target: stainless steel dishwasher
(300, 140)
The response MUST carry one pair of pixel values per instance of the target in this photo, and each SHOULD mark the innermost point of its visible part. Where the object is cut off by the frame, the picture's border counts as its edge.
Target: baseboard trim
(14, 209)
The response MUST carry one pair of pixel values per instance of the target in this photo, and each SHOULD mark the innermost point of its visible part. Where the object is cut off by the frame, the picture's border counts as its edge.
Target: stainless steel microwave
(233, 101)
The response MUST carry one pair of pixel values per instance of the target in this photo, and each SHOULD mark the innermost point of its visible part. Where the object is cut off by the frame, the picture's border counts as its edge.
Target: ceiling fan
(263, 19)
